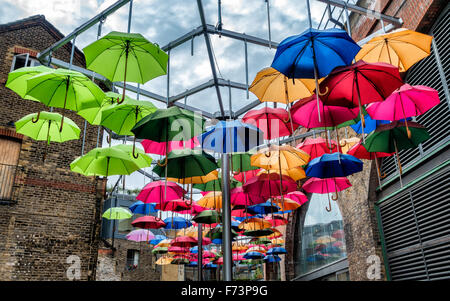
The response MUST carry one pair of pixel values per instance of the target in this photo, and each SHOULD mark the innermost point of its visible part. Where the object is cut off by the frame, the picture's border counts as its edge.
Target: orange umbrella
(212, 200)
(254, 223)
(287, 205)
(296, 173)
(279, 158)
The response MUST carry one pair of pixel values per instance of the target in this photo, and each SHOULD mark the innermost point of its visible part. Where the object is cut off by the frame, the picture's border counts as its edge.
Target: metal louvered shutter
(436, 120)
(416, 229)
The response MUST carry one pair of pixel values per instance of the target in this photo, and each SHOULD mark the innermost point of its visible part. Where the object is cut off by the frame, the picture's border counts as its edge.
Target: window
(132, 259)
(9, 157)
(23, 60)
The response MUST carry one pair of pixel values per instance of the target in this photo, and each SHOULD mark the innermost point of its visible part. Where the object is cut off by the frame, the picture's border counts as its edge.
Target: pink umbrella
(338, 234)
(273, 122)
(316, 147)
(245, 176)
(296, 196)
(184, 241)
(148, 222)
(276, 220)
(159, 148)
(194, 209)
(140, 235)
(323, 186)
(175, 249)
(240, 198)
(406, 101)
(267, 185)
(154, 192)
(240, 213)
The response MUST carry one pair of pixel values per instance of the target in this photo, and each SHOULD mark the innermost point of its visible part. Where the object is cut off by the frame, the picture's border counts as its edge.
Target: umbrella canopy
(17, 79)
(254, 224)
(268, 185)
(297, 196)
(126, 57)
(157, 239)
(163, 244)
(273, 122)
(244, 176)
(401, 48)
(279, 157)
(140, 235)
(174, 205)
(253, 255)
(140, 207)
(176, 223)
(153, 192)
(276, 220)
(122, 118)
(286, 204)
(104, 162)
(184, 241)
(117, 213)
(93, 113)
(212, 200)
(213, 175)
(160, 250)
(272, 85)
(323, 186)
(240, 198)
(263, 208)
(323, 50)
(296, 173)
(240, 162)
(231, 137)
(276, 251)
(359, 151)
(272, 258)
(159, 148)
(346, 143)
(216, 185)
(316, 147)
(47, 127)
(148, 222)
(207, 217)
(164, 261)
(333, 165)
(370, 125)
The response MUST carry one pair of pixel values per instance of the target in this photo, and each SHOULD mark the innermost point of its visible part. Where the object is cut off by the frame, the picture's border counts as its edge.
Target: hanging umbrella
(279, 157)
(153, 192)
(276, 220)
(406, 101)
(176, 223)
(286, 204)
(66, 89)
(346, 143)
(328, 185)
(316, 147)
(240, 162)
(163, 244)
(273, 122)
(240, 198)
(216, 185)
(263, 208)
(137, 155)
(296, 173)
(371, 125)
(231, 137)
(104, 162)
(46, 128)
(402, 48)
(297, 196)
(173, 205)
(93, 113)
(212, 176)
(140, 207)
(254, 224)
(269, 185)
(246, 175)
(253, 255)
(212, 200)
(333, 165)
(159, 148)
(140, 235)
(17, 79)
(184, 241)
(148, 222)
(126, 56)
(117, 213)
(276, 251)
(157, 239)
(207, 217)
(314, 54)
(163, 261)
(160, 250)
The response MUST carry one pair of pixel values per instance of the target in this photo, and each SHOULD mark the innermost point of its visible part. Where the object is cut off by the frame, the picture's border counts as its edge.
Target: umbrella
(263, 208)
(240, 162)
(140, 207)
(370, 125)
(286, 204)
(297, 196)
(140, 235)
(176, 223)
(276, 251)
(212, 176)
(164, 261)
(148, 222)
(296, 173)
(216, 185)
(153, 192)
(402, 48)
(346, 143)
(137, 155)
(174, 206)
(272, 258)
(254, 224)
(276, 220)
(328, 185)
(314, 54)
(240, 198)
(117, 213)
(66, 89)
(93, 113)
(406, 101)
(126, 56)
(333, 165)
(17, 79)
(184, 241)
(273, 122)
(163, 244)
(104, 162)
(269, 185)
(231, 137)
(253, 255)
(207, 217)
(279, 157)
(47, 127)
(316, 147)
(244, 176)
(160, 250)
(212, 200)
(157, 239)
(159, 148)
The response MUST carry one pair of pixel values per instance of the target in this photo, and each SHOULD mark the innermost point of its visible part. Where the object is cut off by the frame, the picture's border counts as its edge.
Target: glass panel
(125, 224)
(322, 237)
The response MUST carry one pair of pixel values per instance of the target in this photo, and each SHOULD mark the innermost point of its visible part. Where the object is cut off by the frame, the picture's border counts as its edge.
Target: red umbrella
(246, 175)
(159, 148)
(240, 213)
(297, 196)
(184, 241)
(148, 222)
(240, 198)
(193, 210)
(316, 147)
(267, 185)
(273, 122)
(175, 249)
(153, 192)
(358, 84)
(276, 220)
(174, 206)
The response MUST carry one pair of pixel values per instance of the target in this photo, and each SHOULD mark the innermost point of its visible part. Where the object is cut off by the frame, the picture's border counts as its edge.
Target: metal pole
(309, 14)
(268, 23)
(200, 252)
(347, 17)
(168, 79)
(246, 68)
(130, 14)
(226, 220)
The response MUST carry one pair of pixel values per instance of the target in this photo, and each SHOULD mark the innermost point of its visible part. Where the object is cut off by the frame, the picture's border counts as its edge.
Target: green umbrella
(104, 162)
(260, 241)
(160, 250)
(186, 164)
(216, 233)
(17, 79)
(67, 89)
(241, 162)
(207, 217)
(216, 185)
(117, 213)
(126, 56)
(142, 160)
(93, 113)
(257, 233)
(47, 127)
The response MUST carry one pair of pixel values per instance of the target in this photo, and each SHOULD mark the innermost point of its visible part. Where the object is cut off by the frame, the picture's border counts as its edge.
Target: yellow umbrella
(275, 234)
(271, 85)
(279, 158)
(163, 244)
(296, 173)
(287, 205)
(278, 241)
(212, 200)
(325, 240)
(164, 260)
(256, 249)
(346, 144)
(238, 247)
(214, 175)
(402, 48)
(191, 232)
(254, 223)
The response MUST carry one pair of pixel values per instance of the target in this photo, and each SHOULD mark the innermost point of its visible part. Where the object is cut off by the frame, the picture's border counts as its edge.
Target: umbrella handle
(342, 145)
(134, 149)
(335, 198)
(62, 123)
(268, 154)
(37, 118)
(329, 204)
(237, 172)
(161, 164)
(188, 202)
(324, 93)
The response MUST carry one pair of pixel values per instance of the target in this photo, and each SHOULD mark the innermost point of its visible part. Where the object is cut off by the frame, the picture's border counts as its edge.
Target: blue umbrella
(210, 266)
(157, 239)
(263, 208)
(371, 124)
(140, 208)
(194, 250)
(231, 137)
(272, 258)
(253, 255)
(333, 165)
(276, 251)
(177, 223)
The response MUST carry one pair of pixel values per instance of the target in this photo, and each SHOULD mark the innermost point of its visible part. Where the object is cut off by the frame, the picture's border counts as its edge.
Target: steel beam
(361, 10)
(239, 36)
(226, 220)
(183, 39)
(101, 16)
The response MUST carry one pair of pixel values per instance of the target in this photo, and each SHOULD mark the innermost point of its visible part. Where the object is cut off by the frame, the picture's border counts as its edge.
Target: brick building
(399, 229)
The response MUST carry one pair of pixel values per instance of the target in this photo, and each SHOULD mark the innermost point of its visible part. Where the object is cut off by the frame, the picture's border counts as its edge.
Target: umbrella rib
(132, 51)
(117, 64)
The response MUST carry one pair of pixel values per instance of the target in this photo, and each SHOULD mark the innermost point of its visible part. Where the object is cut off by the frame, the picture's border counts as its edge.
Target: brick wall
(57, 212)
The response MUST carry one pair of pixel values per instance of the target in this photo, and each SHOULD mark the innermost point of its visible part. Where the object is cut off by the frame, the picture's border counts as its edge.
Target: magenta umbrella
(406, 101)
(246, 175)
(316, 147)
(268, 185)
(194, 209)
(276, 220)
(140, 235)
(159, 148)
(274, 122)
(297, 196)
(325, 186)
(240, 198)
(174, 206)
(154, 192)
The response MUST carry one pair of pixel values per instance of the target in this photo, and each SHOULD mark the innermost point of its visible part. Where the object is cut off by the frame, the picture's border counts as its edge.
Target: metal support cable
(130, 16)
(268, 23)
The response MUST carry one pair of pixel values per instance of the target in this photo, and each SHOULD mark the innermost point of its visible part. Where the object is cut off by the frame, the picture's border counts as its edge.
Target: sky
(163, 21)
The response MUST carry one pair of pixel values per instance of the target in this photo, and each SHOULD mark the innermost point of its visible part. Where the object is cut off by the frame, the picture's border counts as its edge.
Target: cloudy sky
(163, 21)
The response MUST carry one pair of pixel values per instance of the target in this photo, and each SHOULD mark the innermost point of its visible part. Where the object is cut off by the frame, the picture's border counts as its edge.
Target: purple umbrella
(140, 235)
